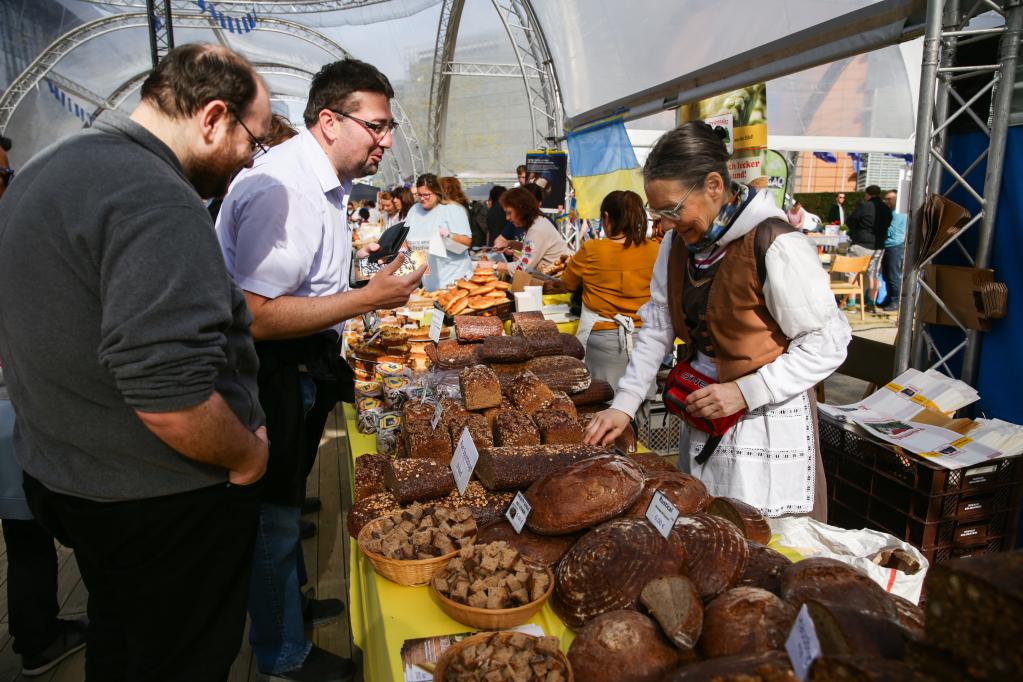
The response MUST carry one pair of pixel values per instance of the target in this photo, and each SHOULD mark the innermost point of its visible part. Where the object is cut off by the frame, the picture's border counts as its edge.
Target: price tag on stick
(662, 514)
(436, 325)
(437, 412)
(518, 512)
(802, 645)
(464, 460)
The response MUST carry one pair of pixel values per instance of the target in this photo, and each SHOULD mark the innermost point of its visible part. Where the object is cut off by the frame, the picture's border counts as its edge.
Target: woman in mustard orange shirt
(614, 275)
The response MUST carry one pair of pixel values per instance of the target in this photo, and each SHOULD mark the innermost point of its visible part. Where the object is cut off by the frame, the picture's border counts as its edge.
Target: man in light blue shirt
(288, 245)
(894, 253)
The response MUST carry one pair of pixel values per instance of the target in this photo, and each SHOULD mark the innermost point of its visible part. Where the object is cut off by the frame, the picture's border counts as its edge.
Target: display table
(384, 615)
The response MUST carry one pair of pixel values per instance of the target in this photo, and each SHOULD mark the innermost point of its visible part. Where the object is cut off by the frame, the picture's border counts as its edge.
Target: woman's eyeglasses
(674, 213)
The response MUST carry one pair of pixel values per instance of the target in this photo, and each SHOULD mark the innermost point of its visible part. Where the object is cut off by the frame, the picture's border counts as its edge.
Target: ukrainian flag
(602, 160)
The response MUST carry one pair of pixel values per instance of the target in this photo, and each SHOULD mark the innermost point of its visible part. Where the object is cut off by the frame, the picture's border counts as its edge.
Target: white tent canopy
(605, 56)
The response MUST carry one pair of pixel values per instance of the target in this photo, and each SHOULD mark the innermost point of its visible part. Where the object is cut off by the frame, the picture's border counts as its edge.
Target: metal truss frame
(440, 78)
(43, 67)
(945, 29)
(264, 6)
(161, 28)
(477, 69)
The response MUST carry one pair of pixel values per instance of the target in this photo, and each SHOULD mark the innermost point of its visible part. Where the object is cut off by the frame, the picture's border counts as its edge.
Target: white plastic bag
(864, 549)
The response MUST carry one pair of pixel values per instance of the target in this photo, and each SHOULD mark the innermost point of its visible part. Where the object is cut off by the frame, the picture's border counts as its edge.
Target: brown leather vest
(744, 334)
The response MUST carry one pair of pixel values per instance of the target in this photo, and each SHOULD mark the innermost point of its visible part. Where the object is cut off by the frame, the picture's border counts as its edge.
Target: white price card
(437, 412)
(436, 325)
(518, 512)
(464, 460)
(662, 514)
(802, 644)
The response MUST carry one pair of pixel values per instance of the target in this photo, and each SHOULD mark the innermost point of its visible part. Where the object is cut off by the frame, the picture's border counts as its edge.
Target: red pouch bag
(683, 380)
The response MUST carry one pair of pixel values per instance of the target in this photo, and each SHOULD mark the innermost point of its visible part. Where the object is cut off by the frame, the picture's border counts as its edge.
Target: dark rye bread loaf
(475, 328)
(844, 630)
(480, 387)
(651, 463)
(975, 610)
(369, 475)
(516, 468)
(513, 428)
(765, 666)
(747, 518)
(687, 493)
(542, 549)
(478, 427)
(764, 568)
(571, 346)
(583, 494)
(717, 552)
(528, 393)
(557, 428)
(621, 646)
(543, 344)
(675, 604)
(449, 354)
(486, 506)
(561, 373)
(609, 566)
(911, 616)
(831, 580)
(745, 620)
(864, 669)
(599, 391)
(562, 403)
(504, 349)
(418, 480)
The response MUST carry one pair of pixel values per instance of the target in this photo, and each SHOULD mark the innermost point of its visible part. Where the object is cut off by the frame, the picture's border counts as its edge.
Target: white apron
(588, 318)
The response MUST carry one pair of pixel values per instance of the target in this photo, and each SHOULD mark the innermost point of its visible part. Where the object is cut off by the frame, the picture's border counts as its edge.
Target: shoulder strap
(766, 233)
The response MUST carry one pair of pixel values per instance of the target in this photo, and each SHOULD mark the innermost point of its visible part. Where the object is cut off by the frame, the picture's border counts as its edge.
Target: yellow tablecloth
(384, 614)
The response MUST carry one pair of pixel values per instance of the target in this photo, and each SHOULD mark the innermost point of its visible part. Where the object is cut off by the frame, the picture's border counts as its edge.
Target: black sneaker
(70, 640)
(891, 307)
(319, 612)
(319, 666)
(306, 529)
(311, 504)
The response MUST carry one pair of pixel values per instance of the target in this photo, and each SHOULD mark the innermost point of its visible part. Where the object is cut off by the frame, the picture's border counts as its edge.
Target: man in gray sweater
(131, 369)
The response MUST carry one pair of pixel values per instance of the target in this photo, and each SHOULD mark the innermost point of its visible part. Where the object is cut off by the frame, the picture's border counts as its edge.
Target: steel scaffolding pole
(161, 29)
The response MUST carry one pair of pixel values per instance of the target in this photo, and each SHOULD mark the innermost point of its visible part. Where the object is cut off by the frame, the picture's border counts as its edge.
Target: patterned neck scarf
(704, 249)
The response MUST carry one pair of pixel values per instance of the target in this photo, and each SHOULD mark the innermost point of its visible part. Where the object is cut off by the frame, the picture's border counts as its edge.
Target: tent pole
(918, 190)
(1000, 107)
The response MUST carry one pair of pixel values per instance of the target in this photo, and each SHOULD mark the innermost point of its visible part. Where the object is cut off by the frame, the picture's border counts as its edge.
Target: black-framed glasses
(258, 148)
(6, 175)
(377, 130)
(674, 213)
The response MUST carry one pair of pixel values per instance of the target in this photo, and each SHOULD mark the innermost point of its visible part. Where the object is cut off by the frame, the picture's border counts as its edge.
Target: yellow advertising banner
(748, 110)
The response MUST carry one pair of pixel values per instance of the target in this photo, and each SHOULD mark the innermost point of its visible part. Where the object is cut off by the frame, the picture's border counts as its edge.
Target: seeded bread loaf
(480, 387)
(418, 480)
(528, 393)
(516, 468)
(504, 349)
(557, 428)
(513, 428)
(476, 328)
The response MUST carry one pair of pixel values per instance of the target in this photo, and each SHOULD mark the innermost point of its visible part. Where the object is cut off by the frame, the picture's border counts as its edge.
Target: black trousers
(167, 578)
(31, 586)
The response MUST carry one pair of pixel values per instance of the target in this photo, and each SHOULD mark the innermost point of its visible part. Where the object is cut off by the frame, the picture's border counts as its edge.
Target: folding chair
(841, 286)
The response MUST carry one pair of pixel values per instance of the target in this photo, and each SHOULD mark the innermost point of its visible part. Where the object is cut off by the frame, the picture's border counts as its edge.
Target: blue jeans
(891, 267)
(277, 631)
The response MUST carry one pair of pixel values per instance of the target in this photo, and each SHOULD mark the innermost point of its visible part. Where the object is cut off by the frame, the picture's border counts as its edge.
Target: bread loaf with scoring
(717, 552)
(744, 620)
(746, 518)
(621, 646)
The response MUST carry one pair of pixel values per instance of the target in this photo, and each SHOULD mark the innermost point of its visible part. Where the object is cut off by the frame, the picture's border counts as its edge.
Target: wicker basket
(457, 647)
(409, 572)
(492, 619)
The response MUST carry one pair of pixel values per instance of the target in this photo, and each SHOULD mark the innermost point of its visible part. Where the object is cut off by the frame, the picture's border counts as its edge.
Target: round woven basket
(410, 572)
(492, 619)
(449, 654)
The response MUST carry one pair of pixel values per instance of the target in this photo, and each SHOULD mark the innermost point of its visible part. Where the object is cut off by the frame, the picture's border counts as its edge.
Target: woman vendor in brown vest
(747, 296)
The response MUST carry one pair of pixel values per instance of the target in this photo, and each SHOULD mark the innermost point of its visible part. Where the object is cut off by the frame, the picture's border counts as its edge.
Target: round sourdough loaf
(747, 518)
(675, 604)
(608, 568)
(764, 568)
(583, 494)
(621, 646)
(687, 493)
(651, 463)
(542, 549)
(765, 666)
(716, 550)
(743, 620)
(831, 580)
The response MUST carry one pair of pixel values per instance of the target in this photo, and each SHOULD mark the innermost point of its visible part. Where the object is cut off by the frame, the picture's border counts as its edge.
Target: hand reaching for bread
(605, 427)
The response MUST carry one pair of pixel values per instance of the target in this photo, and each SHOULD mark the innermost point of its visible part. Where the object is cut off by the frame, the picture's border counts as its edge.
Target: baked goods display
(716, 552)
(417, 480)
(504, 349)
(516, 468)
(830, 580)
(528, 393)
(478, 427)
(545, 550)
(369, 475)
(513, 429)
(503, 657)
(480, 387)
(764, 568)
(744, 620)
(621, 646)
(746, 518)
(453, 355)
(491, 576)
(473, 328)
(557, 428)
(686, 492)
(420, 533)
(675, 603)
(583, 494)
(609, 566)
(479, 293)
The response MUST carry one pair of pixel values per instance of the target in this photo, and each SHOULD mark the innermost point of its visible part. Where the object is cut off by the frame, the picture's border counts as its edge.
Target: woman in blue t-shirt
(435, 220)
